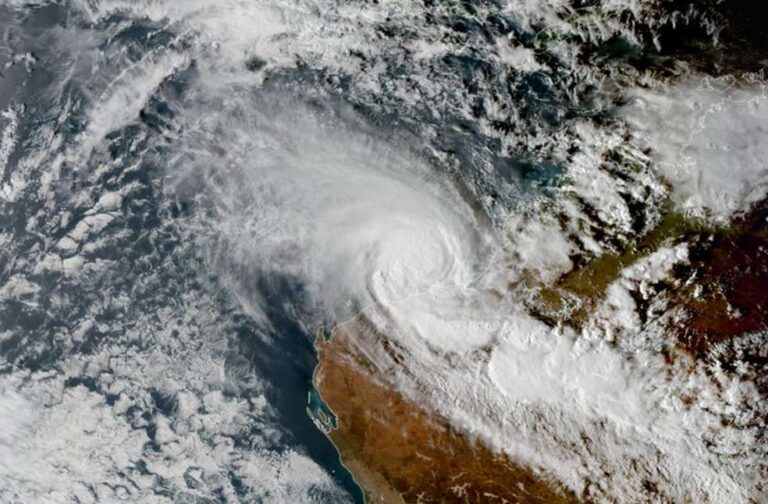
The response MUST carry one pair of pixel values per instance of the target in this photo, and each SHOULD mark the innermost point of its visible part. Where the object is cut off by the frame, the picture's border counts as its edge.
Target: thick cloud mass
(189, 189)
(356, 219)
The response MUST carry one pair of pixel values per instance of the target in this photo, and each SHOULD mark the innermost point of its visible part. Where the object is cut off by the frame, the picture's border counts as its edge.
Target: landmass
(401, 453)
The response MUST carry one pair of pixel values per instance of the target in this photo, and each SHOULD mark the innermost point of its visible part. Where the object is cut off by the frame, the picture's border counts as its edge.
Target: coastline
(398, 452)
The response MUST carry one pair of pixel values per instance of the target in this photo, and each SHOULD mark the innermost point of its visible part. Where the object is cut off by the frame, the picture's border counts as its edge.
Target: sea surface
(190, 189)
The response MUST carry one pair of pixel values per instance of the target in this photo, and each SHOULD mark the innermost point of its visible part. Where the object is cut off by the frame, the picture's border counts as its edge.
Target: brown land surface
(399, 452)
(722, 292)
(730, 270)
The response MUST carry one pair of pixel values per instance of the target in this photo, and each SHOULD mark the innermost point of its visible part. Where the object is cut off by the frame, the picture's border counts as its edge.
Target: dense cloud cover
(191, 188)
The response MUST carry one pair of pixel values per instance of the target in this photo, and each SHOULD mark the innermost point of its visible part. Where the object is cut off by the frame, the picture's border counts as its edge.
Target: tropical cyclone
(377, 226)
(610, 402)
(538, 227)
(637, 424)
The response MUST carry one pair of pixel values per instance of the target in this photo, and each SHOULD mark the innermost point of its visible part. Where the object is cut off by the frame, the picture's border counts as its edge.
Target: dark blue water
(153, 262)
